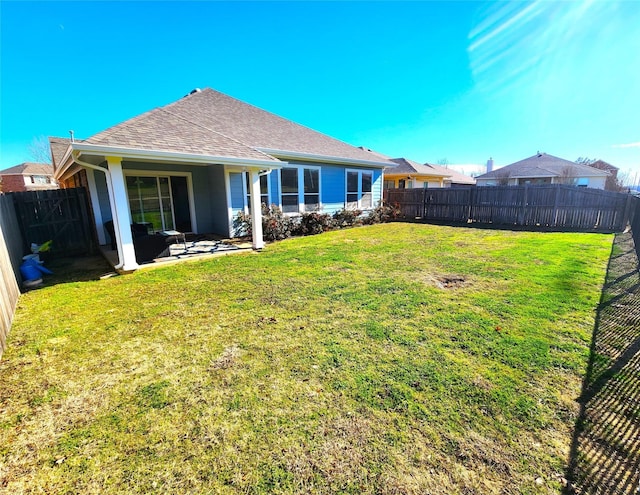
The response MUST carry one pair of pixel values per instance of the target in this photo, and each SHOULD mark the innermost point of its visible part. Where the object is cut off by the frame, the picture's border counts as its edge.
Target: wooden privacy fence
(557, 207)
(10, 258)
(59, 215)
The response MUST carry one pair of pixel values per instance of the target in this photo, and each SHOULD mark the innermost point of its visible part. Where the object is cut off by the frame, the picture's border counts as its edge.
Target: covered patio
(112, 175)
(194, 247)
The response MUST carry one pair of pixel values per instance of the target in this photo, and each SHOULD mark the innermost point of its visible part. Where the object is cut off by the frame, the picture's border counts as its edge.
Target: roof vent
(193, 91)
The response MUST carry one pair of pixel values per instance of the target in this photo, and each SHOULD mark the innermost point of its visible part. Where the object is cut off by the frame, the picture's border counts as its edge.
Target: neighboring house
(612, 183)
(194, 164)
(409, 174)
(542, 168)
(27, 177)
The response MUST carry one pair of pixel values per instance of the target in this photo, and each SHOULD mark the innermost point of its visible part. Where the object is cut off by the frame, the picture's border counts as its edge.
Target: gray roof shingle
(543, 165)
(29, 168)
(211, 123)
(410, 167)
(58, 147)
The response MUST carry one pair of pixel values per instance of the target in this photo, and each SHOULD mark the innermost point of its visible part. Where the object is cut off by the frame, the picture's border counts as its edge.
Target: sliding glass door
(159, 202)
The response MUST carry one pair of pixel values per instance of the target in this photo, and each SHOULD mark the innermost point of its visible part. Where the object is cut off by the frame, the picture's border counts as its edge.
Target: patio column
(256, 209)
(95, 205)
(121, 216)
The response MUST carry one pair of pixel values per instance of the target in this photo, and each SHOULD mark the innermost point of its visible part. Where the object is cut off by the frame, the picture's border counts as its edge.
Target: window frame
(300, 169)
(170, 173)
(359, 192)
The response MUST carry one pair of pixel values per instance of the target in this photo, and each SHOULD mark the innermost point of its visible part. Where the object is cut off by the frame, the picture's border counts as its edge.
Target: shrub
(314, 223)
(384, 212)
(275, 225)
(346, 218)
(242, 225)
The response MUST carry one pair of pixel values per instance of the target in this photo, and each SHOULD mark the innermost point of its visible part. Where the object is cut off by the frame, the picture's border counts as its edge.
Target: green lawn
(389, 359)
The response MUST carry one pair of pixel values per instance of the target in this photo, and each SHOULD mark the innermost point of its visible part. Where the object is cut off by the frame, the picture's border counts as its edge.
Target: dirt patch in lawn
(451, 282)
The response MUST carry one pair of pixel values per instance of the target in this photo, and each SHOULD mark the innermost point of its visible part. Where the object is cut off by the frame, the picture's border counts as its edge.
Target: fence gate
(60, 215)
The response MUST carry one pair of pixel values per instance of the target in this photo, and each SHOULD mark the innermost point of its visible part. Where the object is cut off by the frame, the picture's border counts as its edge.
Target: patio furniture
(147, 246)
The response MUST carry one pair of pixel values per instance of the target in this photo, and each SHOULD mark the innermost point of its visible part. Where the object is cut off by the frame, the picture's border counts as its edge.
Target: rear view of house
(193, 165)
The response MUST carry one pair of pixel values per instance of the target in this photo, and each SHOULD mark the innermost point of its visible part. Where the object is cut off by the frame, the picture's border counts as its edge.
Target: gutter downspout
(116, 223)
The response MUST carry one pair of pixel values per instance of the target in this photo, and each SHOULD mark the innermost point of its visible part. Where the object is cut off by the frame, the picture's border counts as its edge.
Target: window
(264, 189)
(289, 187)
(39, 179)
(389, 184)
(311, 189)
(300, 189)
(359, 189)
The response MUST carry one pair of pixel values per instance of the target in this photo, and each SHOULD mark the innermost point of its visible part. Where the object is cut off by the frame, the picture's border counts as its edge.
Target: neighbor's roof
(602, 165)
(543, 165)
(454, 176)
(29, 168)
(211, 123)
(409, 167)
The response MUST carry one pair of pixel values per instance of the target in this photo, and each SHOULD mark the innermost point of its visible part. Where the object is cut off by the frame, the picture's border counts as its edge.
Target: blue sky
(460, 81)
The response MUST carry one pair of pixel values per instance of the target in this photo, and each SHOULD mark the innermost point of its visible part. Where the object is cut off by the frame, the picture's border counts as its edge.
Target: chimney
(489, 164)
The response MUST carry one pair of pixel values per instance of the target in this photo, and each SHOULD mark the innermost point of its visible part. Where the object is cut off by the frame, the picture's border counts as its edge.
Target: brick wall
(13, 183)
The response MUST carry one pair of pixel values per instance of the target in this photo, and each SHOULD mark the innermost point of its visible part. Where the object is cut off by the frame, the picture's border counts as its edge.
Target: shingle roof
(208, 122)
(406, 166)
(58, 148)
(410, 167)
(162, 129)
(602, 165)
(543, 165)
(454, 176)
(29, 168)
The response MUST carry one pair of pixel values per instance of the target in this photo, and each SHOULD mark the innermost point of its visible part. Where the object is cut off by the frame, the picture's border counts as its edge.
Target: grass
(397, 358)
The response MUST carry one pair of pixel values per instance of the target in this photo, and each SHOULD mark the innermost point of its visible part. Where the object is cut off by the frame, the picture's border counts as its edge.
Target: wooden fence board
(59, 215)
(548, 206)
(10, 258)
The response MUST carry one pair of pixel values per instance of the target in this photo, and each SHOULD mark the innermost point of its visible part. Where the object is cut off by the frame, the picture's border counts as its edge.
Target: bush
(242, 225)
(314, 223)
(275, 225)
(384, 212)
(346, 218)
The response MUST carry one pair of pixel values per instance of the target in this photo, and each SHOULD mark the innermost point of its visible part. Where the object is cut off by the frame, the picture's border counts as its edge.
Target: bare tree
(443, 162)
(584, 160)
(39, 150)
(502, 177)
(568, 176)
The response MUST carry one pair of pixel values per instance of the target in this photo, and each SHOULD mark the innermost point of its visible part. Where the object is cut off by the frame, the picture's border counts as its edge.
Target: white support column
(95, 206)
(121, 216)
(256, 209)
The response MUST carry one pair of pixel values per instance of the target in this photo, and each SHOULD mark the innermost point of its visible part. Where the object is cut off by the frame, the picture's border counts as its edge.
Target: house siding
(217, 210)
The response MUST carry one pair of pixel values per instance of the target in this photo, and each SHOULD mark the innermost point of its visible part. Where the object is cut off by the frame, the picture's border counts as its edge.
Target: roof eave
(156, 155)
(297, 155)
